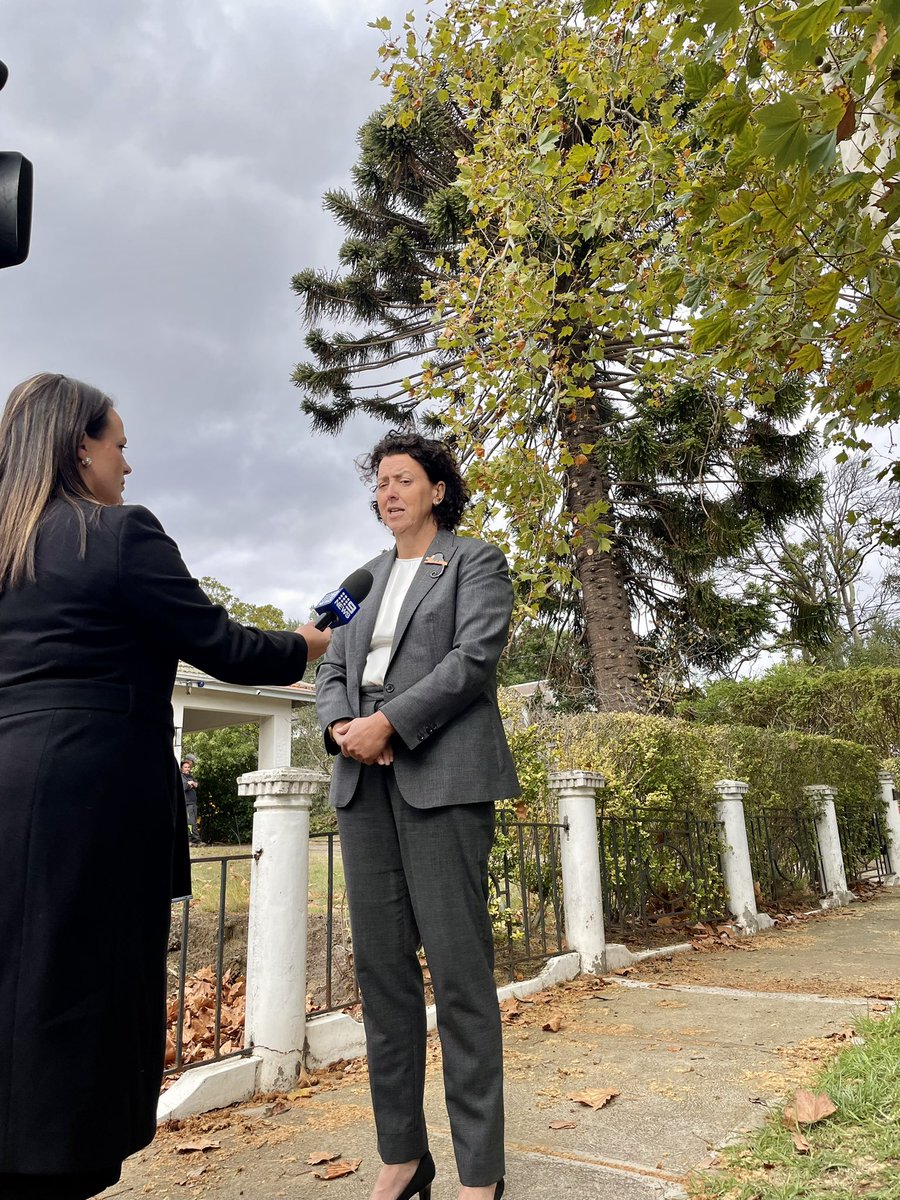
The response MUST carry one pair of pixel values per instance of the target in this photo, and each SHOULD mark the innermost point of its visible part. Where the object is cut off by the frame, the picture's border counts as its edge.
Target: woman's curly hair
(438, 463)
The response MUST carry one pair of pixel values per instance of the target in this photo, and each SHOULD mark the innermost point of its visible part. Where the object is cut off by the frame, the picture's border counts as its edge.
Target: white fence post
(892, 825)
(734, 853)
(828, 834)
(276, 938)
(579, 852)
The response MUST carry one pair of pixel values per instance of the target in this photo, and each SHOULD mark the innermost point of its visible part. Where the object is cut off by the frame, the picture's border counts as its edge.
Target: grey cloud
(181, 152)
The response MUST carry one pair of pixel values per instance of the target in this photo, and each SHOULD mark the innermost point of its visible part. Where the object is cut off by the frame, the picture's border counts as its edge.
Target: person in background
(96, 608)
(191, 789)
(407, 699)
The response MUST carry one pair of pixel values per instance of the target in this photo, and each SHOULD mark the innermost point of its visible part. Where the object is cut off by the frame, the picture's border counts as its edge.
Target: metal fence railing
(203, 992)
(525, 894)
(331, 979)
(656, 863)
(784, 855)
(864, 842)
(525, 900)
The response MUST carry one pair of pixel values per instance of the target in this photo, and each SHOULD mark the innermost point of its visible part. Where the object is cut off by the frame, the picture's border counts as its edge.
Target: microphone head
(337, 608)
(358, 584)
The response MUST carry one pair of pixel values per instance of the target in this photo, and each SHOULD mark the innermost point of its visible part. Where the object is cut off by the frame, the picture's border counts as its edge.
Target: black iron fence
(656, 863)
(331, 978)
(525, 900)
(864, 842)
(207, 957)
(525, 895)
(784, 856)
(653, 863)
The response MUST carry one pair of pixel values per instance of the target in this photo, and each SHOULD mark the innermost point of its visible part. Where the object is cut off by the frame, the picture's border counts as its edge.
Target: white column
(275, 741)
(892, 825)
(828, 834)
(178, 715)
(734, 854)
(576, 796)
(276, 938)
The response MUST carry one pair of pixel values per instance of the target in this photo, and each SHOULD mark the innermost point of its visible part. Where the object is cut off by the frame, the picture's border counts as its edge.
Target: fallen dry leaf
(553, 1024)
(803, 1146)
(593, 1097)
(810, 1107)
(322, 1156)
(200, 1146)
(563, 1124)
(337, 1170)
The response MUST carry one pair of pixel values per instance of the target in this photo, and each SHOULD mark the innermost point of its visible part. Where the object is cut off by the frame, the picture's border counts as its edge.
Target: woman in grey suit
(407, 700)
(96, 608)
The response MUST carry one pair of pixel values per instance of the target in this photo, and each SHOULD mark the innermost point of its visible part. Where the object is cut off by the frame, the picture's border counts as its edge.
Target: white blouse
(401, 577)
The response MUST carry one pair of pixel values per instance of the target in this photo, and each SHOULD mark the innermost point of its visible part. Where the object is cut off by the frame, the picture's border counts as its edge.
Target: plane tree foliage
(592, 243)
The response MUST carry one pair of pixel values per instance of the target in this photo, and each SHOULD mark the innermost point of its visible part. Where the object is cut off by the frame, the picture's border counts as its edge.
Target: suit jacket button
(388, 687)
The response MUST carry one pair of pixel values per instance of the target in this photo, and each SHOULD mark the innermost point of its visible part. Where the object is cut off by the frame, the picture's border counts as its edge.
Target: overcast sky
(181, 149)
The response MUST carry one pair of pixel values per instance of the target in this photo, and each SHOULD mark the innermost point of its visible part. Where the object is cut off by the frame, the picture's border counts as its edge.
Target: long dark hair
(42, 426)
(436, 460)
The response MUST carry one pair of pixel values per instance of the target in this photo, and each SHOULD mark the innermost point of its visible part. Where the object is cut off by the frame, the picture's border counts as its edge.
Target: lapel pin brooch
(436, 560)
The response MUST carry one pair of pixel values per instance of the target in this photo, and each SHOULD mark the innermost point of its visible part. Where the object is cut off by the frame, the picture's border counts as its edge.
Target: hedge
(860, 704)
(670, 763)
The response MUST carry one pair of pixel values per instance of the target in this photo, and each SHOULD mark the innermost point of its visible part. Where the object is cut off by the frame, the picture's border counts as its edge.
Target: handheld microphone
(337, 608)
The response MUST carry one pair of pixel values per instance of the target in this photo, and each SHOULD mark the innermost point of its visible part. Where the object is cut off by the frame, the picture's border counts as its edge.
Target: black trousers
(79, 1186)
(420, 876)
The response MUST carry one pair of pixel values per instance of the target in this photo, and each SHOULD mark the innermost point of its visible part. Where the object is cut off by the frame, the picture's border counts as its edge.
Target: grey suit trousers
(420, 875)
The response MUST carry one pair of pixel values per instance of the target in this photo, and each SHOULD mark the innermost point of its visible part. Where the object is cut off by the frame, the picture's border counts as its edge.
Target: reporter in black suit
(96, 608)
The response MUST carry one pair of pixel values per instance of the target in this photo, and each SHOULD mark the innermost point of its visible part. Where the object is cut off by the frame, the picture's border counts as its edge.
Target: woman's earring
(86, 461)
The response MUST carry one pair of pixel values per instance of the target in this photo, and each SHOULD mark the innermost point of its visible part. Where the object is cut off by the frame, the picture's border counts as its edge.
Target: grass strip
(854, 1153)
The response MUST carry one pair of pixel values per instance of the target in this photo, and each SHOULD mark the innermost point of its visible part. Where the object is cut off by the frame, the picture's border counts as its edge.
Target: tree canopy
(739, 162)
(516, 251)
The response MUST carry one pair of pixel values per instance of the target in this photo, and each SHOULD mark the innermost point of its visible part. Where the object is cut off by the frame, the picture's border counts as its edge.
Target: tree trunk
(607, 616)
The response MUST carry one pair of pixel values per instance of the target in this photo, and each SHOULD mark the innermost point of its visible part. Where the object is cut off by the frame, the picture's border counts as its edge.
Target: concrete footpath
(695, 1047)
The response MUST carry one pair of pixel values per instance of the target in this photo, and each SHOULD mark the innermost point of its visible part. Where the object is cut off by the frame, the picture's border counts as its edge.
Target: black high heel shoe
(421, 1180)
(498, 1190)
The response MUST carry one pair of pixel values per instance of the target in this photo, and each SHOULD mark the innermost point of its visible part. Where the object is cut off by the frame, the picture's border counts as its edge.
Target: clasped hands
(367, 739)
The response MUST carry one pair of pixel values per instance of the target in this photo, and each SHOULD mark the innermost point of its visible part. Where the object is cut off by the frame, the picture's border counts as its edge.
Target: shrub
(859, 704)
(223, 755)
(659, 762)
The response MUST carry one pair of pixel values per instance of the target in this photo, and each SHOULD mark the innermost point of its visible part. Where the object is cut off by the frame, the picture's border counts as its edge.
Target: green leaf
(823, 295)
(593, 8)
(727, 115)
(711, 331)
(700, 78)
(724, 14)
(807, 358)
(886, 368)
(548, 139)
(822, 150)
(809, 21)
(847, 186)
(783, 137)
(382, 23)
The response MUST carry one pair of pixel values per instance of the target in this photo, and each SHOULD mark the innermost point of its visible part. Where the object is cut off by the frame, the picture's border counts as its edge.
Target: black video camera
(16, 177)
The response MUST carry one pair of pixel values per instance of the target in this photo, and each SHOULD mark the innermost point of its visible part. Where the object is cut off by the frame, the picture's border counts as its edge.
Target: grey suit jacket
(440, 686)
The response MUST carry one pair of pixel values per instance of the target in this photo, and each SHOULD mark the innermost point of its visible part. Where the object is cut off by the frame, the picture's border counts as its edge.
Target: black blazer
(93, 841)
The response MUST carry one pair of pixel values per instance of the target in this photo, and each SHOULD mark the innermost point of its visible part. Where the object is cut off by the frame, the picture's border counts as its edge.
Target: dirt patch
(202, 951)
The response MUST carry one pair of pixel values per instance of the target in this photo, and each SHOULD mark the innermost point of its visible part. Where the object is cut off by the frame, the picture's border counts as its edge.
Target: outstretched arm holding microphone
(96, 608)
